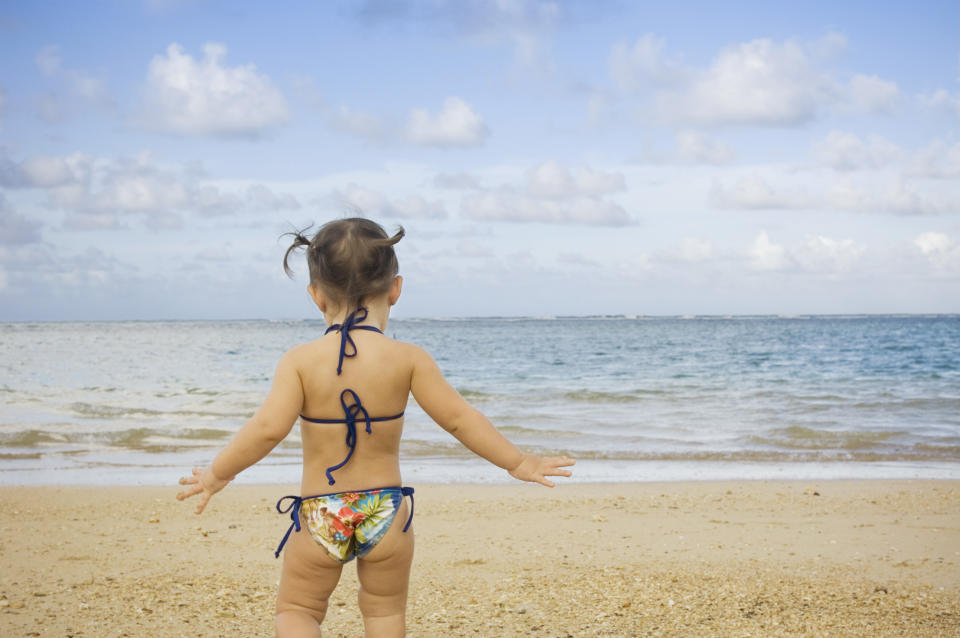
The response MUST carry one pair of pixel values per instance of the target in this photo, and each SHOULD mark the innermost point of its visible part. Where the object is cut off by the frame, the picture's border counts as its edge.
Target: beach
(745, 558)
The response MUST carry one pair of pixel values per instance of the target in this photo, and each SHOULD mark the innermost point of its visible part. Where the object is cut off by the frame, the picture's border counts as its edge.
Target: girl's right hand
(203, 482)
(534, 468)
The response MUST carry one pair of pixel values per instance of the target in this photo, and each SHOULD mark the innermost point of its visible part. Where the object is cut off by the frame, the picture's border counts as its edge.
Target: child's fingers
(203, 502)
(187, 493)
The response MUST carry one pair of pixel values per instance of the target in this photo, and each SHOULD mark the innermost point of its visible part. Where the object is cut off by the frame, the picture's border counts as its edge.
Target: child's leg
(384, 574)
(309, 577)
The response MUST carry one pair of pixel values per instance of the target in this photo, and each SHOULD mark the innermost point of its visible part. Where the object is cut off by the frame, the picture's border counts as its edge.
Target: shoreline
(764, 557)
(442, 471)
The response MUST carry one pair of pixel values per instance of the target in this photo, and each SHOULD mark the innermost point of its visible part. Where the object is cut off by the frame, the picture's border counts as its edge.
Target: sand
(837, 558)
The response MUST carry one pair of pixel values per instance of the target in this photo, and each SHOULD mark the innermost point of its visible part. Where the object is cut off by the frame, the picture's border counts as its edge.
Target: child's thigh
(309, 575)
(384, 571)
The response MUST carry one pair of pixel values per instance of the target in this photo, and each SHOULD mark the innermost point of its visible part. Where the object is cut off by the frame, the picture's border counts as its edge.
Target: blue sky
(545, 158)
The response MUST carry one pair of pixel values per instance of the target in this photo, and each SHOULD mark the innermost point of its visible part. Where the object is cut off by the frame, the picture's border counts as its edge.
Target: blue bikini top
(349, 401)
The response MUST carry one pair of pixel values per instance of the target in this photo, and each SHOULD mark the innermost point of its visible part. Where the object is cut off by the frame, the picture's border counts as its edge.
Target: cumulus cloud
(871, 94)
(848, 152)
(898, 198)
(938, 161)
(48, 60)
(15, 229)
(692, 147)
(371, 202)
(206, 98)
(519, 24)
(765, 254)
(694, 249)
(70, 88)
(940, 100)
(517, 207)
(824, 254)
(552, 193)
(753, 192)
(553, 180)
(96, 193)
(358, 123)
(636, 67)
(755, 83)
(456, 181)
(941, 251)
(456, 124)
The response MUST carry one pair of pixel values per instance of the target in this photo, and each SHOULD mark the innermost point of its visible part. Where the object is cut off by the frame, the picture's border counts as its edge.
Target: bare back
(380, 375)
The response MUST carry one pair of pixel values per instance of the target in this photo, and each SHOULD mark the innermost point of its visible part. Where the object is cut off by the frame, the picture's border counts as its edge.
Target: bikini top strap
(350, 323)
(352, 409)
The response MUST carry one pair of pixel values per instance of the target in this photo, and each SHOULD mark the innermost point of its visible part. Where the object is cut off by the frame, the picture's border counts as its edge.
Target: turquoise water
(630, 398)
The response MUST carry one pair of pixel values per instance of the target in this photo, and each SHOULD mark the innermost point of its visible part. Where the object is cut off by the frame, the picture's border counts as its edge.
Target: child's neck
(378, 313)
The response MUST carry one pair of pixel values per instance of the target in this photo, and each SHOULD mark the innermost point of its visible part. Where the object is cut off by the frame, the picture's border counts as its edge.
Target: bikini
(347, 524)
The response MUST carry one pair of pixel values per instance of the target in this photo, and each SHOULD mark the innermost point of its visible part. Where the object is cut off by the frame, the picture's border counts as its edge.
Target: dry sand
(861, 558)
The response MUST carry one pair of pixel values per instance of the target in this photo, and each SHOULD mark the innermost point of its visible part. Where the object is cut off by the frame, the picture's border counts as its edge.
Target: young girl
(350, 389)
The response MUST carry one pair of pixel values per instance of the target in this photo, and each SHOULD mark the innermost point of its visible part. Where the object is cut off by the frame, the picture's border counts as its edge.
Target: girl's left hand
(203, 482)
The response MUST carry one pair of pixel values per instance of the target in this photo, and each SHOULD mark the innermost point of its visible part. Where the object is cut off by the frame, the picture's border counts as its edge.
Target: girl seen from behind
(350, 389)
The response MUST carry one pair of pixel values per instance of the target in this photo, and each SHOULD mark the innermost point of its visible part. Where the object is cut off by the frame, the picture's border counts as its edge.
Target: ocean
(631, 398)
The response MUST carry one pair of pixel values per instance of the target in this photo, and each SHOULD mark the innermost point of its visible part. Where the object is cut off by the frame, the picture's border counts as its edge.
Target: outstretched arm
(270, 425)
(445, 406)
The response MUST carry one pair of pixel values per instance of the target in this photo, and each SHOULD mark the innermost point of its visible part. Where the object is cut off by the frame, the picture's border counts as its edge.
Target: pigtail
(390, 241)
(299, 239)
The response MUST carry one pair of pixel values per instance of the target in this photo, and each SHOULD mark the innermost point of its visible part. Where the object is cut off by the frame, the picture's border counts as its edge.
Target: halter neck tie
(350, 323)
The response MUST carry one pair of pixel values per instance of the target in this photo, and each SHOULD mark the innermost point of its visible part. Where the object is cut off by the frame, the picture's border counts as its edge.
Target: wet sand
(836, 558)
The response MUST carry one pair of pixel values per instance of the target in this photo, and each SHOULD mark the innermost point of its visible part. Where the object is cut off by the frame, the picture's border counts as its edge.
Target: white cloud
(635, 67)
(871, 94)
(204, 97)
(456, 181)
(370, 202)
(455, 125)
(15, 229)
(848, 152)
(755, 83)
(824, 254)
(516, 207)
(695, 148)
(937, 161)
(690, 148)
(694, 249)
(764, 254)
(898, 198)
(940, 100)
(754, 192)
(48, 60)
(72, 88)
(97, 192)
(553, 180)
(358, 123)
(552, 193)
(931, 243)
(46, 171)
(520, 24)
(941, 251)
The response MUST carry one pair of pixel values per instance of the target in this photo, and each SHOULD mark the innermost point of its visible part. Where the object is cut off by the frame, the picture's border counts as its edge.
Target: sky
(544, 158)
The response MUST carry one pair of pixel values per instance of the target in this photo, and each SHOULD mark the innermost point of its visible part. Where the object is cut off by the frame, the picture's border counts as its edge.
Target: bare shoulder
(298, 356)
(414, 354)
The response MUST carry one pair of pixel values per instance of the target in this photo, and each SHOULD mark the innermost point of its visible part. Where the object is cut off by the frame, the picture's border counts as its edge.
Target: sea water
(631, 398)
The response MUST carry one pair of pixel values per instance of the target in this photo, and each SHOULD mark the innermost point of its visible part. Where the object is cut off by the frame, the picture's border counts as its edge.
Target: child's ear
(395, 289)
(318, 297)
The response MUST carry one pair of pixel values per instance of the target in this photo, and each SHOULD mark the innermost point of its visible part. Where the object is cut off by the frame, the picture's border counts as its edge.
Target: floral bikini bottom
(346, 524)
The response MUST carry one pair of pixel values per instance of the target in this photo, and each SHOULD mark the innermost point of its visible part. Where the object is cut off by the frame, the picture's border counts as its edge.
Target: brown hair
(349, 259)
